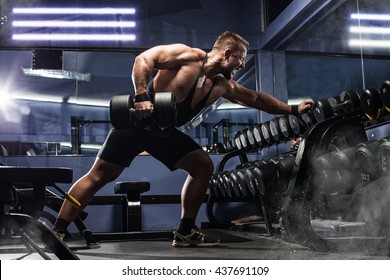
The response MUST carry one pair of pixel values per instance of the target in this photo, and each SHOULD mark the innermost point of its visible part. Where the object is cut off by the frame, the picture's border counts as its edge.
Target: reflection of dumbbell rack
(306, 190)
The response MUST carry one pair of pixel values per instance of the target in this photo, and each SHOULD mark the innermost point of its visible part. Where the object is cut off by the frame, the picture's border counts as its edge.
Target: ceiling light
(369, 43)
(369, 30)
(371, 16)
(72, 24)
(96, 11)
(73, 37)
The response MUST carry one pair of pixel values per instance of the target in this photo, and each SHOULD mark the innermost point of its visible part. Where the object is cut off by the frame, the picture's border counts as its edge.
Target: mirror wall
(343, 45)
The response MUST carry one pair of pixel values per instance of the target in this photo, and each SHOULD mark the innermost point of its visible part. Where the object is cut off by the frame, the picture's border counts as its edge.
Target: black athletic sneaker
(195, 239)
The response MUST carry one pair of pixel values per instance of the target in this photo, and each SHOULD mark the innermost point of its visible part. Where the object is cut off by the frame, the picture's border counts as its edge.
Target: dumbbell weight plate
(308, 118)
(285, 128)
(367, 158)
(251, 138)
(322, 110)
(258, 136)
(220, 184)
(371, 102)
(164, 112)
(275, 130)
(237, 142)
(254, 180)
(237, 183)
(385, 94)
(352, 100)
(213, 187)
(266, 133)
(384, 156)
(244, 139)
(120, 115)
(296, 125)
(225, 178)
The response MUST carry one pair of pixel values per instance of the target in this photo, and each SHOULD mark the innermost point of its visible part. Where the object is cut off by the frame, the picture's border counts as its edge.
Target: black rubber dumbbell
(385, 94)
(122, 112)
(372, 104)
(297, 125)
(276, 131)
(368, 160)
(237, 183)
(326, 108)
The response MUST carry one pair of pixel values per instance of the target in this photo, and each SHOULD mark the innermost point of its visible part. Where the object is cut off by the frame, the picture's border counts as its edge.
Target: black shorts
(123, 145)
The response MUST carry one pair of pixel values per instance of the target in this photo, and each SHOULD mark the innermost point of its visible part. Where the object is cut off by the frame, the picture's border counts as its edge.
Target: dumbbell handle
(338, 105)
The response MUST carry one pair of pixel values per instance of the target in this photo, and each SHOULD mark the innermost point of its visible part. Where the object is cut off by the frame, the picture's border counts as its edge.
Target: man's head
(233, 49)
(231, 40)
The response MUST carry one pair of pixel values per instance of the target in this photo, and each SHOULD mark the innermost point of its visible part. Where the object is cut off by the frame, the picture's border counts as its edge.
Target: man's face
(234, 62)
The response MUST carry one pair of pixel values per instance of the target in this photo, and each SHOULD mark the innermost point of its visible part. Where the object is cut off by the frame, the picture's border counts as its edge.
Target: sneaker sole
(200, 245)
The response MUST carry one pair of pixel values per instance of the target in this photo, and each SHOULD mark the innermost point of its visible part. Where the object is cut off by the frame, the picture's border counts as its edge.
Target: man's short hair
(231, 40)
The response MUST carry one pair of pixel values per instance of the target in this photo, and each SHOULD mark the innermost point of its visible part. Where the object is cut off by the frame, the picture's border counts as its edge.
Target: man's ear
(227, 53)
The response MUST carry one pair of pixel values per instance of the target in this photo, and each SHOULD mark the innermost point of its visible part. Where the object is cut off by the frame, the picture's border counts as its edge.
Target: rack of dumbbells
(335, 186)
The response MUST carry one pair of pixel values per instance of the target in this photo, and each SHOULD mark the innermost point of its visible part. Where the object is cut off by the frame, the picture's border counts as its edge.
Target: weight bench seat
(35, 175)
(132, 213)
(28, 227)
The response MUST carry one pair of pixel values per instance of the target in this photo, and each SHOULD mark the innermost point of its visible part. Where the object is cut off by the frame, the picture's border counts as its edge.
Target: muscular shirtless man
(197, 79)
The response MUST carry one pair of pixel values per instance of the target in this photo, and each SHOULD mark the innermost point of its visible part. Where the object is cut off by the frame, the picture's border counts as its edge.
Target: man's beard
(228, 74)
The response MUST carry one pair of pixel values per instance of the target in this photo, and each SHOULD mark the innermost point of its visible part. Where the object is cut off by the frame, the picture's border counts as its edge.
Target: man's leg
(200, 168)
(101, 173)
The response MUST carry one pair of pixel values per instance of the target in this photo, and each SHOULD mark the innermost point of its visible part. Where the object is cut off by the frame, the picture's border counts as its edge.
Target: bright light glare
(369, 43)
(72, 24)
(74, 37)
(88, 101)
(369, 30)
(371, 16)
(96, 11)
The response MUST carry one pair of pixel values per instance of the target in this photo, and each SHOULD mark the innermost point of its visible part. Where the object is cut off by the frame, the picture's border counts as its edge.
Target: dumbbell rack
(211, 200)
(300, 202)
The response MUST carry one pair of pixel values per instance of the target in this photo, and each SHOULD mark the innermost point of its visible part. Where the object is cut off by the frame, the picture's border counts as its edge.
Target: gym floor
(237, 245)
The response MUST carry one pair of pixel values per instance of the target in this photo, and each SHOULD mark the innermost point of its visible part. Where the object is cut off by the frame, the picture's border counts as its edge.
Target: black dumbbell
(238, 183)
(259, 138)
(326, 108)
(266, 133)
(325, 173)
(244, 139)
(285, 128)
(252, 143)
(345, 174)
(372, 104)
(385, 94)
(284, 166)
(276, 131)
(213, 187)
(254, 180)
(308, 118)
(384, 156)
(122, 112)
(220, 184)
(368, 160)
(297, 125)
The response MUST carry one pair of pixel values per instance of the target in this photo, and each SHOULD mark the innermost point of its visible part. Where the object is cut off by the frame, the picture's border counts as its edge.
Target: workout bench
(132, 222)
(27, 226)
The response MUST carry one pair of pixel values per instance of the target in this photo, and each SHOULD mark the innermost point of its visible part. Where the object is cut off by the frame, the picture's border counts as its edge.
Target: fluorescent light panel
(73, 37)
(72, 24)
(94, 11)
(384, 17)
(369, 43)
(369, 30)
